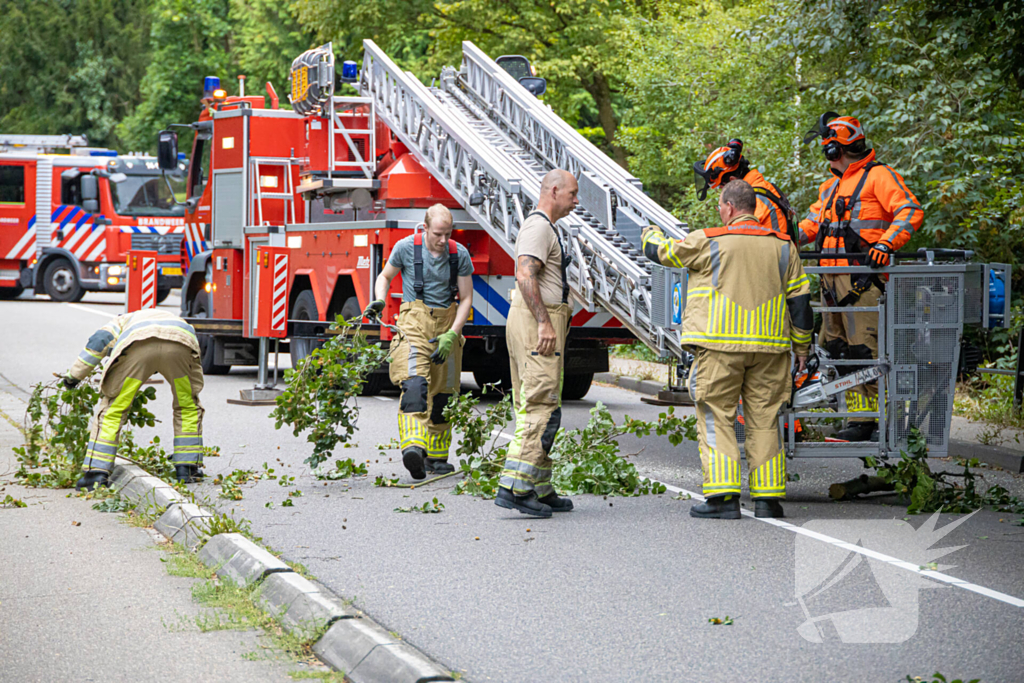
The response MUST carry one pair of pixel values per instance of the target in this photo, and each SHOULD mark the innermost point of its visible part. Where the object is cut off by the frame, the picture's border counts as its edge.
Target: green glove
(444, 346)
(374, 309)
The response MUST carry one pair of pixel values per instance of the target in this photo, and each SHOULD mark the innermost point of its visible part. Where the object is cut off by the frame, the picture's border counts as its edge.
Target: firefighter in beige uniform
(747, 305)
(140, 345)
(538, 321)
(426, 360)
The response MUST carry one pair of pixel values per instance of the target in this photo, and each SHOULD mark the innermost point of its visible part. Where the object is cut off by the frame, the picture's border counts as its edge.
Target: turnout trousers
(182, 369)
(718, 379)
(426, 387)
(537, 396)
(860, 332)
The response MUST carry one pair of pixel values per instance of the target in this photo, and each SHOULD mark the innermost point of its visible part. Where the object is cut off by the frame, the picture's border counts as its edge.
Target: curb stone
(149, 491)
(1006, 458)
(235, 557)
(124, 474)
(642, 386)
(353, 644)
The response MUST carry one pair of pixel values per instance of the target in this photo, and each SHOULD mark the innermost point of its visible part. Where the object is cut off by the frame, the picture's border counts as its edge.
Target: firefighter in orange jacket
(865, 207)
(728, 163)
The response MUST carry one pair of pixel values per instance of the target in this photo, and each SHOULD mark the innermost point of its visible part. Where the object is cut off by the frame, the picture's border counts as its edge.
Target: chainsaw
(822, 392)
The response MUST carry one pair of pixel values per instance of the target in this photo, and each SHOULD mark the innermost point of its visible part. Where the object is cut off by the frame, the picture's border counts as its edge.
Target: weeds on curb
(10, 501)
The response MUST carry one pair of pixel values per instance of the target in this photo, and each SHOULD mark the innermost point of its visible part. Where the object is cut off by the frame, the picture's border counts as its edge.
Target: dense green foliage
(656, 83)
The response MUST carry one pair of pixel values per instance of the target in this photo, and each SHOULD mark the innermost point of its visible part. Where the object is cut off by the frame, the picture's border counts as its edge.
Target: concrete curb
(1006, 458)
(643, 386)
(352, 643)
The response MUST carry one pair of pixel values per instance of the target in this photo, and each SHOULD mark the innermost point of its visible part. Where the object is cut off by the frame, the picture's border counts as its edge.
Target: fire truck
(331, 185)
(67, 221)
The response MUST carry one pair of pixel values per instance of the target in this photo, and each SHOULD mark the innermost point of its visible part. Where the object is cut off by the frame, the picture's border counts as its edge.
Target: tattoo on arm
(527, 276)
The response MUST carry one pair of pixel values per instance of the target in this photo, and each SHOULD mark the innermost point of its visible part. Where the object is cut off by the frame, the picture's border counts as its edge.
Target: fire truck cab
(67, 221)
(330, 183)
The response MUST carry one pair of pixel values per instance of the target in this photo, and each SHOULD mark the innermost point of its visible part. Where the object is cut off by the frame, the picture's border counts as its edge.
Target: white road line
(384, 398)
(92, 310)
(894, 561)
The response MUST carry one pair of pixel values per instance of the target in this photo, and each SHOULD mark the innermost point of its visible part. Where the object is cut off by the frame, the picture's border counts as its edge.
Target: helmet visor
(702, 180)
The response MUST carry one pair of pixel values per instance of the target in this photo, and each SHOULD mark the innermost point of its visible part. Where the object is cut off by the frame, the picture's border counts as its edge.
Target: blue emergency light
(103, 152)
(210, 83)
(349, 72)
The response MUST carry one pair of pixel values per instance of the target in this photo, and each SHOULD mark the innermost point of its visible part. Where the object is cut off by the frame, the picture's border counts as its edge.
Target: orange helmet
(837, 133)
(721, 162)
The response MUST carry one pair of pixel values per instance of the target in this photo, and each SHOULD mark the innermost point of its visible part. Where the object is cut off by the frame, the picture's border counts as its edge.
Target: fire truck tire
(501, 376)
(162, 294)
(375, 383)
(575, 387)
(61, 281)
(201, 309)
(304, 309)
(8, 293)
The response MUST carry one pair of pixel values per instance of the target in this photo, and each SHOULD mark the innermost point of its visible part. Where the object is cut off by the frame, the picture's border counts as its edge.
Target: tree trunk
(597, 86)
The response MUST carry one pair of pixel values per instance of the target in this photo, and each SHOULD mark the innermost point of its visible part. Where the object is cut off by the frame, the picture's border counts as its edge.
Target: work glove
(879, 255)
(374, 309)
(444, 346)
(650, 239)
(70, 382)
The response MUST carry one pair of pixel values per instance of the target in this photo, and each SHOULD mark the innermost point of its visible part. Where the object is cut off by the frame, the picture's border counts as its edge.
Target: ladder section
(287, 195)
(498, 184)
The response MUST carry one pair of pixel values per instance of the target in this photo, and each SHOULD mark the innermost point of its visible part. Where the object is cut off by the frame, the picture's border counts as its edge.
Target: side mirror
(90, 189)
(535, 86)
(90, 206)
(167, 150)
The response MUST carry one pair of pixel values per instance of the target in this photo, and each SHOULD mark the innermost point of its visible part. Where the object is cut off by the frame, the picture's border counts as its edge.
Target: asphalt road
(619, 589)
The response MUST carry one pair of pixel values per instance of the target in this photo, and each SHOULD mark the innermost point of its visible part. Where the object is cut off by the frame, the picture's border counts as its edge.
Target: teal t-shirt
(435, 272)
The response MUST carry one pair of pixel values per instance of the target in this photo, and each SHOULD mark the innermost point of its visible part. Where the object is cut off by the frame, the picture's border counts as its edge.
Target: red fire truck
(67, 221)
(333, 187)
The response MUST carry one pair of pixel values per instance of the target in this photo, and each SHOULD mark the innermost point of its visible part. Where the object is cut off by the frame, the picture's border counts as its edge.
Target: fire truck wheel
(304, 309)
(8, 293)
(375, 383)
(61, 281)
(502, 377)
(575, 387)
(201, 309)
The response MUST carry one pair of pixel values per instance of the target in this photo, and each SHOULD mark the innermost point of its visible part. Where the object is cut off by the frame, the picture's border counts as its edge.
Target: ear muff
(833, 150)
(733, 154)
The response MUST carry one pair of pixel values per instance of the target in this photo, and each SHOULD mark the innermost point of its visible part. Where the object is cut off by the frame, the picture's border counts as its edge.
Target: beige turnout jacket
(117, 335)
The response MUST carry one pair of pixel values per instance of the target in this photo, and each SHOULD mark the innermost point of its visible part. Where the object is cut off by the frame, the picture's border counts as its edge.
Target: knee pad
(859, 352)
(414, 395)
(547, 439)
(437, 411)
(837, 348)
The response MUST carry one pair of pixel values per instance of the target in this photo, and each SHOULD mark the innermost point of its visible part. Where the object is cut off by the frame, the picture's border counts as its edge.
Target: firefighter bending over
(538, 322)
(748, 303)
(426, 361)
(865, 207)
(140, 345)
(728, 163)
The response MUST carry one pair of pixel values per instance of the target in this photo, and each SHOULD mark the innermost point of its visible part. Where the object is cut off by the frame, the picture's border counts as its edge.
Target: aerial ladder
(489, 142)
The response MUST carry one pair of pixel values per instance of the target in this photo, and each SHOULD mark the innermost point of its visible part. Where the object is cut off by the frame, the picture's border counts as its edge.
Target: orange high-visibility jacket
(767, 213)
(887, 210)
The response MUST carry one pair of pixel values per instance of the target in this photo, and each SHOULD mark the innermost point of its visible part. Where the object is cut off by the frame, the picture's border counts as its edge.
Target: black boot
(856, 431)
(188, 474)
(438, 466)
(412, 458)
(555, 503)
(528, 504)
(767, 507)
(91, 480)
(719, 507)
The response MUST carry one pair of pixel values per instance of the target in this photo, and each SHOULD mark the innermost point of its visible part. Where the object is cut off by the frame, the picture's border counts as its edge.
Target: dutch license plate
(174, 270)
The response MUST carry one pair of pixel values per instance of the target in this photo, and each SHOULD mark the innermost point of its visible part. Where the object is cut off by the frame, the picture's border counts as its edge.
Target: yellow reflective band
(189, 412)
(112, 418)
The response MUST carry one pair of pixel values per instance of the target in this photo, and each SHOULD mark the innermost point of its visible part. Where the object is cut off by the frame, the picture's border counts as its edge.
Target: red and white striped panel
(148, 296)
(87, 243)
(26, 246)
(279, 307)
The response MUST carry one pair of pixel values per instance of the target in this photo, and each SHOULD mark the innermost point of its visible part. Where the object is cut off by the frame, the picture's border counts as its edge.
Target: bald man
(536, 329)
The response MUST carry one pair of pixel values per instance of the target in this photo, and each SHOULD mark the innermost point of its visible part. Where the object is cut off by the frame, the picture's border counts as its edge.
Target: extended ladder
(489, 143)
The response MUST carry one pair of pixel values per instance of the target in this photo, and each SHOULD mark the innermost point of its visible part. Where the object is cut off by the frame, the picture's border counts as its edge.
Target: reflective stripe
(187, 406)
(908, 205)
(693, 378)
(799, 337)
(412, 360)
(783, 264)
(715, 262)
(709, 425)
(857, 225)
(102, 448)
(180, 324)
(777, 342)
(188, 441)
(110, 424)
(794, 285)
(452, 375)
(89, 358)
(771, 210)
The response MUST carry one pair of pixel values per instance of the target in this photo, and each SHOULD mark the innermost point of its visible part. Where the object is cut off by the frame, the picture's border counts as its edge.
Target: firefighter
(538, 322)
(748, 304)
(138, 346)
(865, 207)
(728, 163)
(426, 360)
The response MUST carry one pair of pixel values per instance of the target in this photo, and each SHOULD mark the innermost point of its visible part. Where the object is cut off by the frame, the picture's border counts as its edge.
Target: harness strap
(417, 267)
(565, 260)
(784, 208)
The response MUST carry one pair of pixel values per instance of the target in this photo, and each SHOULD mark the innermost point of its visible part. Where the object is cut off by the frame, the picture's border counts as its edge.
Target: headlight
(115, 270)
(113, 280)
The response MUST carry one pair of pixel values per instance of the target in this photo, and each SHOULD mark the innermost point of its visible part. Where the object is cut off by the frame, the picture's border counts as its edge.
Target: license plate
(171, 271)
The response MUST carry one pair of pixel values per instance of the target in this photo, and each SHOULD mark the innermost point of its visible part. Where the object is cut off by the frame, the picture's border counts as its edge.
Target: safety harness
(417, 267)
(561, 248)
(783, 208)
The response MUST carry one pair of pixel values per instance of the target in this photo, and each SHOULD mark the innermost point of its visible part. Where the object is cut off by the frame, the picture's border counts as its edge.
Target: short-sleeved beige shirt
(538, 239)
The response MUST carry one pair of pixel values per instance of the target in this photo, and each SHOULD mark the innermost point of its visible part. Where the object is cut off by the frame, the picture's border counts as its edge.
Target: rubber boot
(767, 507)
(188, 474)
(555, 503)
(438, 466)
(412, 458)
(856, 431)
(91, 480)
(719, 507)
(528, 504)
